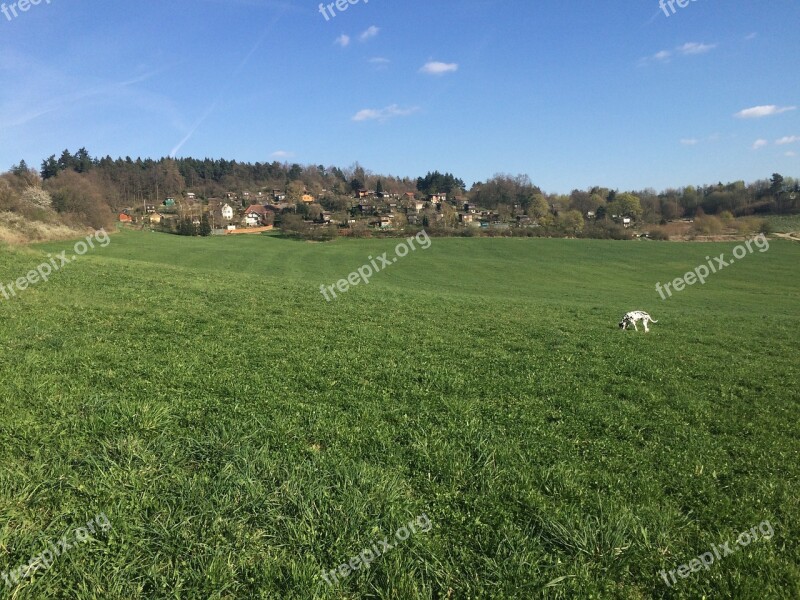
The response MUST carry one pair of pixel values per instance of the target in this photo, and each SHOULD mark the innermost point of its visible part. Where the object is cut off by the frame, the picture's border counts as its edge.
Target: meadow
(243, 436)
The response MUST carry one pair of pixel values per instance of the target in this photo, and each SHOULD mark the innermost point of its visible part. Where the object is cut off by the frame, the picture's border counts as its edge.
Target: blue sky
(572, 93)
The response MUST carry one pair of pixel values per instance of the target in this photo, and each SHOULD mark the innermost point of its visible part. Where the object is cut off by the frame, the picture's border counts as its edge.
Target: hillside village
(245, 211)
(219, 197)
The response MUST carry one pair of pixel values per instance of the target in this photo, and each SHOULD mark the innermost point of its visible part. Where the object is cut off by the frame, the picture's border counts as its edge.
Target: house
(149, 208)
(327, 217)
(626, 222)
(190, 196)
(383, 223)
(278, 195)
(590, 214)
(365, 208)
(466, 217)
(437, 198)
(417, 205)
(123, 218)
(156, 218)
(246, 194)
(255, 215)
(307, 198)
(226, 211)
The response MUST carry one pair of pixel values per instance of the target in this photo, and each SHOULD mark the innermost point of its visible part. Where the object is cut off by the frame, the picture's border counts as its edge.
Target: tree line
(76, 188)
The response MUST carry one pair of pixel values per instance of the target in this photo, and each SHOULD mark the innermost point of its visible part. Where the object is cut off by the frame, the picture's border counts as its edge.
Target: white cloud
(343, 40)
(790, 153)
(369, 33)
(686, 50)
(757, 112)
(281, 154)
(379, 63)
(695, 48)
(752, 36)
(690, 141)
(438, 68)
(789, 139)
(383, 114)
(758, 144)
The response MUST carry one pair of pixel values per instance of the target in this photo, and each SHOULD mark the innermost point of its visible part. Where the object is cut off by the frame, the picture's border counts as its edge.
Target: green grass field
(243, 435)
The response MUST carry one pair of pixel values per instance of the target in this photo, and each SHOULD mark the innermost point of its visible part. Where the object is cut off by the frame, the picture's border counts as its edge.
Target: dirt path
(794, 236)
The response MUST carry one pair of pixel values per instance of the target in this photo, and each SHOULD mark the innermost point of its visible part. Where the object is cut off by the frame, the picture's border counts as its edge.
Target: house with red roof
(255, 215)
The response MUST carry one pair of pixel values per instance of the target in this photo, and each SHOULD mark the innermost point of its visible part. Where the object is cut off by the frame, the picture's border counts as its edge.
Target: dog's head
(622, 323)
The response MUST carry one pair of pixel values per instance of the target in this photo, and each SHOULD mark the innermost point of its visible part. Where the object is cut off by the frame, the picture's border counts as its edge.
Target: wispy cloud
(693, 141)
(687, 49)
(383, 114)
(379, 63)
(438, 68)
(281, 154)
(47, 96)
(789, 139)
(752, 36)
(758, 144)
(758, 112)
(343, 40)
(226, 86)
(695, 48)
(370, 33)
(790, 153)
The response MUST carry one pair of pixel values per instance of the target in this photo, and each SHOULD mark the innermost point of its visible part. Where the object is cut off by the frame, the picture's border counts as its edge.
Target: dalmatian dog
(636, 315)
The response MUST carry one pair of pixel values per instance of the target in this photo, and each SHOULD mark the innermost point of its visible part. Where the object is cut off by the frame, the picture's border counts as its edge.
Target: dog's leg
(635, 327)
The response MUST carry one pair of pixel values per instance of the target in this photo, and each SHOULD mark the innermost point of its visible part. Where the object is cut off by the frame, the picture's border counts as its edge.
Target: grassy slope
(785, 223)
(242, 434)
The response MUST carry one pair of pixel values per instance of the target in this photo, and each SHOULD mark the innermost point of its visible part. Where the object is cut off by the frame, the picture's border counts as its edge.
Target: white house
(255, 215)
(227, 212)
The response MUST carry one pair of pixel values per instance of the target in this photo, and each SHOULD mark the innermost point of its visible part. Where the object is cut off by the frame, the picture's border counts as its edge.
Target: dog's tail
(653, 321)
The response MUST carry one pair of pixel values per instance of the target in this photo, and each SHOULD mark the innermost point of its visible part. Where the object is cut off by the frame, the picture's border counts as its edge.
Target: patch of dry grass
(16, 229)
